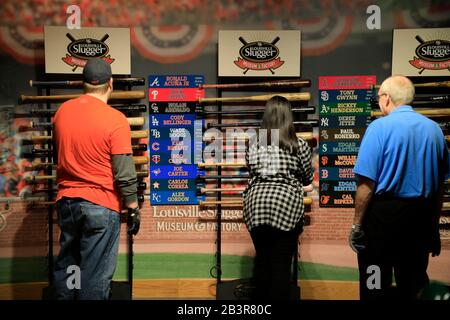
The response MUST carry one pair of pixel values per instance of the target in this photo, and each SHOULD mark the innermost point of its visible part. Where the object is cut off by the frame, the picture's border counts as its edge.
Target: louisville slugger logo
(81, 50)
(259, 56)
(431, 55)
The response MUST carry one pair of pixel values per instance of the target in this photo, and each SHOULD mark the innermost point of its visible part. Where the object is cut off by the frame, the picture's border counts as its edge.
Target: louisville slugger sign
(67, 51)
(421, 52)
(259, 53)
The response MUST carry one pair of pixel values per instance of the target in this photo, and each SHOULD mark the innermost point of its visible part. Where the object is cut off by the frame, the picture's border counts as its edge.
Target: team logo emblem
(259, 56)
(431, 55)
(81, 50)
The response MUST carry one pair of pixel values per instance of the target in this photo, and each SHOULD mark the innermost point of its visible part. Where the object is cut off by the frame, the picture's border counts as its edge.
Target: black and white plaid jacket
(274, 195)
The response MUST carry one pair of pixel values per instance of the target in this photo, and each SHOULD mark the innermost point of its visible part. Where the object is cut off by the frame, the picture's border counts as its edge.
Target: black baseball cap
(97, 71)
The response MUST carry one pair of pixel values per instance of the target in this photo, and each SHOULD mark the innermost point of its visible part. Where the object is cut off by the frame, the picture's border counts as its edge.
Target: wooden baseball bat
(8, 200)
(142, 173)
(40, 139)
(45, 190)
(141, 185)
(308, 188)
(304, 110)
(141, 159)
(266, 84)
(217, 177)
(222, 164)
(79, 83)
(440, 84)
(303, 135)
(31, 179)
(426, 112)
(131, 108)
(115, 95)
(139, 147)
(41, 165)
(132, 121)
(134, 147)
(298, 96)
(136, 121)
(40, 178)
(140, 199)
(51, 112)
(136, 134)
(306, 200)
(441, 98)
(313, 123)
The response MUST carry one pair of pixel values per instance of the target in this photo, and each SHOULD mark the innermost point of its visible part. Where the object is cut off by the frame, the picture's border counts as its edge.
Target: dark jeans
(275, 250)
(398, 233)
(89, 240)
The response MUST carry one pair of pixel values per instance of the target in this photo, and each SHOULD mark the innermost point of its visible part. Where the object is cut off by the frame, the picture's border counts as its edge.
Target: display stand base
(119, 291)
(49, 293)
(243, 289)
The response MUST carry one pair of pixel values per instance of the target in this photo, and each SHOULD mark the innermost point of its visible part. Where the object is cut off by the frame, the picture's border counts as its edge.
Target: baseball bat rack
(240, 102)
(43, 179)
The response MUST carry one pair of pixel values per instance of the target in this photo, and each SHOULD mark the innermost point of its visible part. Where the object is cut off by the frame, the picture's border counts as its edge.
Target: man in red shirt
(96, 176)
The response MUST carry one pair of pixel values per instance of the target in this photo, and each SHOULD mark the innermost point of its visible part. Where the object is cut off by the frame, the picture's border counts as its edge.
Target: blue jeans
(89, 240)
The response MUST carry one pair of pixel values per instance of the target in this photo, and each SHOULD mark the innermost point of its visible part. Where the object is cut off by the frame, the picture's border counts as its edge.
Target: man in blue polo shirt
(401, 167)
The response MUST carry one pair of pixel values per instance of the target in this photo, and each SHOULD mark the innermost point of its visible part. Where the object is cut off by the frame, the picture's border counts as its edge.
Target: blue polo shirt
(405, 153)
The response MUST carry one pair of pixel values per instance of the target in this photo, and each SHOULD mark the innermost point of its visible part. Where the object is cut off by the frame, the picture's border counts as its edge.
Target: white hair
(400, 89)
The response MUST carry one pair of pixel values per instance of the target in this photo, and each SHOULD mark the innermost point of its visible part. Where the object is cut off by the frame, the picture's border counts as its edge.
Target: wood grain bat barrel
(115, 95)
(440, 84)
(135, 134)
(313, 123)
(141, 185)
(308, 188)
(266, 84)
(140, 174)
(51, 112)
(303, 135)
(79, 83)
(438, 112)
(295, 111)
(132, 121)
(302, 96)
(38, 166)
(239, 202)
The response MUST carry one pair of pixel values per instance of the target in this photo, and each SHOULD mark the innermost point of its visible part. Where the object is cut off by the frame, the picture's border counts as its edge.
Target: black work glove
(357, 239)
(134, 220)
(435, 247)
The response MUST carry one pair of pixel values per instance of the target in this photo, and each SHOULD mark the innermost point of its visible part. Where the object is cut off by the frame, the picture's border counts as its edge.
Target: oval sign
(434, 51)
(259, 51)
(88, 48)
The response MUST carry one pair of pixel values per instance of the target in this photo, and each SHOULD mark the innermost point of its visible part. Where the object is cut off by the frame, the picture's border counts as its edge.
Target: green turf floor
(170, 266)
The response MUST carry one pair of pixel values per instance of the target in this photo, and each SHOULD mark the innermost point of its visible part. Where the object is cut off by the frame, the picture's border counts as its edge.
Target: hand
(134, 220)
(357, 239)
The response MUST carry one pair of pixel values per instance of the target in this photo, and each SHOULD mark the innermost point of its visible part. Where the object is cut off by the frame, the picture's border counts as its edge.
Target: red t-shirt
(87, 132)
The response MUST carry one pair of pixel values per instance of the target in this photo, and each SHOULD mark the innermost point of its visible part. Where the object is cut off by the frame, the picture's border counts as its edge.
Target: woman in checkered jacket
(279, 165)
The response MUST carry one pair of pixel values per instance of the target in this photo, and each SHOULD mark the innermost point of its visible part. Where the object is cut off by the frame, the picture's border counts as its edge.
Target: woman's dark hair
(278, 115)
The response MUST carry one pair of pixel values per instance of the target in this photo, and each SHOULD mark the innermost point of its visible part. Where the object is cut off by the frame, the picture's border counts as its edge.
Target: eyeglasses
(377, 98)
